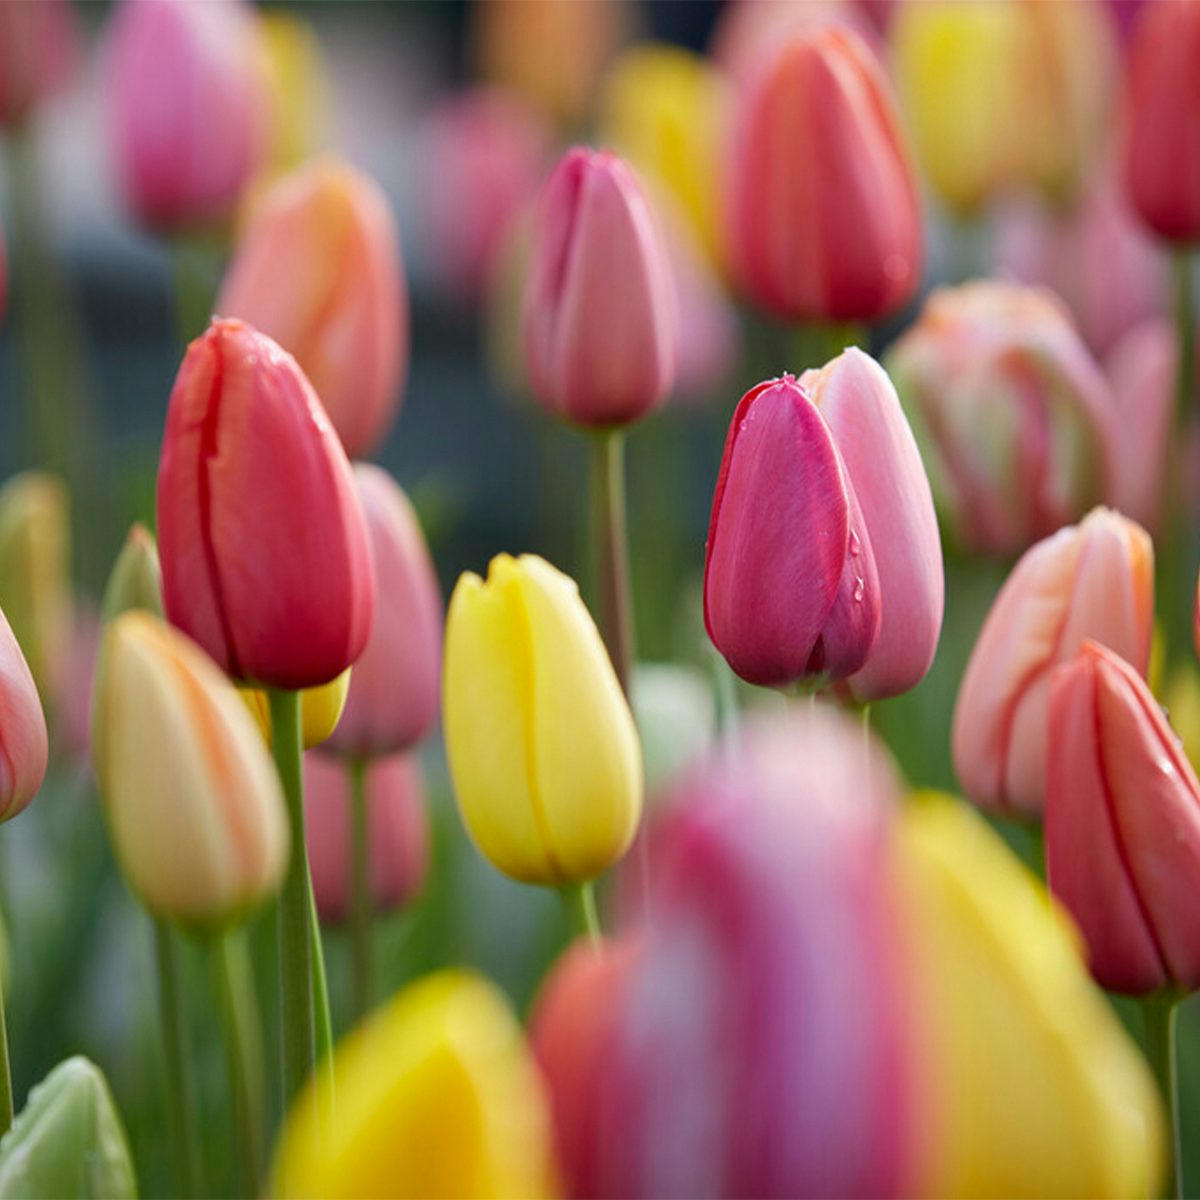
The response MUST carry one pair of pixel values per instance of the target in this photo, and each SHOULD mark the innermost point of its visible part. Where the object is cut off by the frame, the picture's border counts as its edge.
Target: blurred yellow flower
(1181, 699)
(297, 90)
(320, 709)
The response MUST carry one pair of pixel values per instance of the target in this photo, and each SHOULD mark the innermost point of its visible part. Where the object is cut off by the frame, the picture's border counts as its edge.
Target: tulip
(1162, 120)
(394, 691)
(35, 568)
(824, 222)
(787, 1070)
(321, 709)
(598, 313)
(40, 51)
(541, 745)
(23, 740)
(297, 90)
(264, 550)
(1015, 419)
(185, 93)
(791, 589)
(194, 806)
(344, 313)
(68, 1140)
(1122, 825)
(136, 579)
(74, 673)
(437, 1095)
(398, 832)
(1092, 581)
(485, 156)
(1032, 1086)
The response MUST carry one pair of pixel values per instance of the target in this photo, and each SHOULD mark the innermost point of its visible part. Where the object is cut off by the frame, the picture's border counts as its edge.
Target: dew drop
(855, 545)
(860, 590)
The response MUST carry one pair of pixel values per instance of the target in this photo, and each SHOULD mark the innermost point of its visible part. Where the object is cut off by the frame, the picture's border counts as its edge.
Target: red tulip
(265, 556)
(599, 309)
(825, 223)
(40, 49)
(1122, 825)
(23, 742)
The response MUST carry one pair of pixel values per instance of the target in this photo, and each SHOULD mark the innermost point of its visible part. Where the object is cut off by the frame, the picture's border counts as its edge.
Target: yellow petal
(320, 709)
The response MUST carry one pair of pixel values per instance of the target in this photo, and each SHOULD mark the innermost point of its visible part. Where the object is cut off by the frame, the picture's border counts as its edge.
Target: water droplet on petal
(855, 545)
(860, 590)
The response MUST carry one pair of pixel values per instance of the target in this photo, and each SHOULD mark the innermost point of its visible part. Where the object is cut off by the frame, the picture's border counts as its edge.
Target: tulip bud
(791, 590)
(540, 741)
(824, 219)
(395, 688)
(185, 94)
(321, 709)
(1162, 120)
(397, 832)
(23, 740)
(194, 805)
(344, 312)
(136, 579)
(437, 1095)
(599, 310)
(297, 87)
(264, 550)
(40, 51)
(1015, 419)
(1122, 826)
(1092, 581)
(1032, 1087)
(68, 1140)
(35, 568)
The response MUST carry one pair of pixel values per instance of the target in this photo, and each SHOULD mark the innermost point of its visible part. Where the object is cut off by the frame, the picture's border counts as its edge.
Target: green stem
(580, 902)
(611, 546)
(322, 1022)
(181, 1100)
(193, 290)
(360, 882)
(1185, 318)
(1159, 1012)
(243, 1054)
(6, 1096)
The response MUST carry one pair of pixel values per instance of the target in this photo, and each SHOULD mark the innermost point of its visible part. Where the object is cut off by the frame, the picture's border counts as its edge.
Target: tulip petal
(23, 740)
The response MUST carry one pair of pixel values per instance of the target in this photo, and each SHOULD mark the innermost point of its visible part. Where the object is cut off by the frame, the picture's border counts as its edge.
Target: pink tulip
(265, 556)
(824, 218)
(486, 154)
(1162, 119)
(40, 51)
(23, 741)
(397, 832)
(342, 310)
(1014, 416)
(754, 1044)
(185, 94)
(863, 413)
(395, 687)
(74, 669)
(1091, 581)
(1123, 826)
(599, 310)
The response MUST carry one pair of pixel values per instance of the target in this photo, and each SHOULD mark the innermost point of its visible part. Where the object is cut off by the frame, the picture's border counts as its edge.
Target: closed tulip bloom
(1122, 826)
(824, 222)
(136, 578)
(397, 832)
(396, 684)
(23, 741)
(1015, 419)
(264, 550)
(185, 95)
(791, 588)
(1092, 581)
(437, 1096)
(321, 709)
(598, 313)
(1162, 120)
(1032, 1086)
(194, 805)
(343, 314)
(542, 748)
(40, 51)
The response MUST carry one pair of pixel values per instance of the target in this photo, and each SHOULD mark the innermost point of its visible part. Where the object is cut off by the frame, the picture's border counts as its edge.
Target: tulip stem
(360, 877)
(1185, 317)
(1159, 1011)
(6, 1097)
(181, 1100)
(580, 902)
(243, 1053)
(611, 546)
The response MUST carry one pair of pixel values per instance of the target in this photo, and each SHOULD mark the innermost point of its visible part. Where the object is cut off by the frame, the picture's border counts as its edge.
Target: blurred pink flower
(41, 49)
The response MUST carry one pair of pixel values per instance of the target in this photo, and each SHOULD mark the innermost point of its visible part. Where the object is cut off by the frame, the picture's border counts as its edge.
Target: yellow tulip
(1035, 1088)
(541, 744)
(437, 1095)
(320, 709)
(297, 91)
(1182, 700)
(665, 108)
(193, 802)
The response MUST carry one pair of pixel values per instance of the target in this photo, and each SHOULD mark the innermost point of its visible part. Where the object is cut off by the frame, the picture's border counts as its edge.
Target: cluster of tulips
(809, 975)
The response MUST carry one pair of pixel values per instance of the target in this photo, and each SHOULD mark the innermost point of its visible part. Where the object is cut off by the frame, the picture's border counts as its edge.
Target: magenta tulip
(599, 309)
(265, 556)
(23, 742)
(1123, 826)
